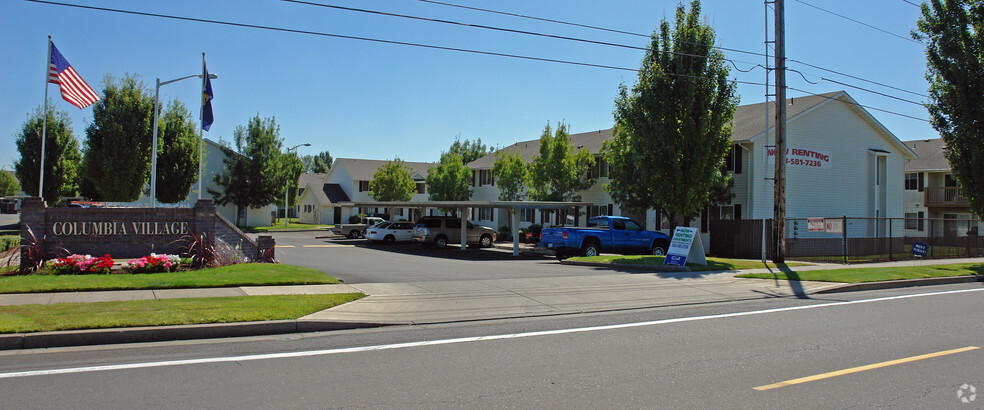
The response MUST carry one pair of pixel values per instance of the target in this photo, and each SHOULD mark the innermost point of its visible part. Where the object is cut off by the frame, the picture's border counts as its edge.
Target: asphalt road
(359, 261)
(706, 356)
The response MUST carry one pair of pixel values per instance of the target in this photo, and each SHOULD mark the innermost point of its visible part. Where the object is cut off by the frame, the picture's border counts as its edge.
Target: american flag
(73, 88)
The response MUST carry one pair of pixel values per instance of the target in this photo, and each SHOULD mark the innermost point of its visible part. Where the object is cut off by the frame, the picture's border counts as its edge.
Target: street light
(287, 188)
(153, 161)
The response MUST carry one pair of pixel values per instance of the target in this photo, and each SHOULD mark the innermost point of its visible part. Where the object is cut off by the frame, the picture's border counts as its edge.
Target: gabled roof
(312, 178)
(364, 169)
(748, 123)
(932, 156)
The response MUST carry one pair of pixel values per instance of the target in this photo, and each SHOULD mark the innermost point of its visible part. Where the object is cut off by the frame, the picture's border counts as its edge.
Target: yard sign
(682, 248)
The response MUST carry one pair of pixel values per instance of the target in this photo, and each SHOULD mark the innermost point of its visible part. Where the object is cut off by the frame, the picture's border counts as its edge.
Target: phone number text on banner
(804, 158)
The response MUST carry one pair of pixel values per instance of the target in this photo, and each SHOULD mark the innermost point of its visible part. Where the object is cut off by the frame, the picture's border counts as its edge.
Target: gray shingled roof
(364, 169)
(748, 122)
(931, 156)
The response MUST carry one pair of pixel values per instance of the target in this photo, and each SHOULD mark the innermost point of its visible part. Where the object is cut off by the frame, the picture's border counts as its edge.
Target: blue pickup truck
(616, 234)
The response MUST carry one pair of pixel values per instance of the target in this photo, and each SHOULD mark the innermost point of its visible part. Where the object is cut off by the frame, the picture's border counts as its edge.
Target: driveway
(358, 261)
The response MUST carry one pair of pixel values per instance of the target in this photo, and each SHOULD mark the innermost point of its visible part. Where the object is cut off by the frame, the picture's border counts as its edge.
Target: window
(597, 210)
(911, 181)
(484, 214)
(598, 223)
(485, 177)
(363, 186)
(527, 215)
(421, 188)
(399, 211)
(732, 161)
(910, 219)
(949, 180)
(600, 168)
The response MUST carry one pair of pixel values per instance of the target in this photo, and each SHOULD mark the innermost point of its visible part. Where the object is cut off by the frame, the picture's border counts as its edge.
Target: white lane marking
(454, 341)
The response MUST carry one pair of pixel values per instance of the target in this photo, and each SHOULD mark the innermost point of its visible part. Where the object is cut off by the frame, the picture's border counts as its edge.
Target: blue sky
(361, 99)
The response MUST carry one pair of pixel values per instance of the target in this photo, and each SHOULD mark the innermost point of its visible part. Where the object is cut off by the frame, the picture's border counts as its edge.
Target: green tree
(511, 174)
(254, 172)
(8, 183)
(177, 154)
(291, 167)
(559, 172)
(672, 131)
(953, 31)
(322, 162)
(469, 150)
(116, 161)
(392, 182)
(448, 181)
(61, 155)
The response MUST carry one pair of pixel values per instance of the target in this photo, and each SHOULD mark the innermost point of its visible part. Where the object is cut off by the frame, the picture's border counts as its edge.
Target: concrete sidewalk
(452, 301)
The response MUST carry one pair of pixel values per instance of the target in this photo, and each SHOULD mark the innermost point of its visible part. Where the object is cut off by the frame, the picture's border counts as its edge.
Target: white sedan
(390, 232)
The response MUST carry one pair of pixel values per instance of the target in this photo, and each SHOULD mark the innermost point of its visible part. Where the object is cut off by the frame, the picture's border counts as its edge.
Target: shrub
(153, 264)
(534, 233)
(8, 242)
(81, 265)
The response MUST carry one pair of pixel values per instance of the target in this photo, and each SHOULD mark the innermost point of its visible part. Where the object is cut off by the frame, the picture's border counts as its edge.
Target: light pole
(287, 188)
(153, 160)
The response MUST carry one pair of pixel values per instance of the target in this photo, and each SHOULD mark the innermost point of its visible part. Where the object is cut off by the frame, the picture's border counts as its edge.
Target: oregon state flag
(207, 97)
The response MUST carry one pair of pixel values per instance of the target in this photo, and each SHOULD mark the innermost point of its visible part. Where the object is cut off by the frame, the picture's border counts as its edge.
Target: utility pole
(779, 205)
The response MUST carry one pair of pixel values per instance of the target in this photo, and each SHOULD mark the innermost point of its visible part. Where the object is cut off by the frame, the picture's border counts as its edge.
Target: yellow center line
(325, 246)
(285, 246)
(863, 368)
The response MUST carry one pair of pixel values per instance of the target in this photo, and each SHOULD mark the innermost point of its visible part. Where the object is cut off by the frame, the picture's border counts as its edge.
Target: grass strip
(69, 316)
(245, 274)
(858, 275)
(712, 263)
(292, 226)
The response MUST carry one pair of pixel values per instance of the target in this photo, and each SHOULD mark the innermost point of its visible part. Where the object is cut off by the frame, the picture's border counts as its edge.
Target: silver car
(439, 231)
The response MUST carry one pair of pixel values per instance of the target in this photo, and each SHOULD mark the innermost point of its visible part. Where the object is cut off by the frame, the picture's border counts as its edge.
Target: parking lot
(359, 261)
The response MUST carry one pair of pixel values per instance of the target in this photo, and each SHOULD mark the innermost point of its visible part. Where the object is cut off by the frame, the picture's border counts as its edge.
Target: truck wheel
(353, 234)
(658, 250)
(590, 249)
(485, 241)
(440, 242)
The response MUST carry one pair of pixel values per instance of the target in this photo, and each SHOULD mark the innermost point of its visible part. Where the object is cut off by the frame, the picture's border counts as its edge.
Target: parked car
(390, 232)
(356, 230)
(439, 231)
(616, 234)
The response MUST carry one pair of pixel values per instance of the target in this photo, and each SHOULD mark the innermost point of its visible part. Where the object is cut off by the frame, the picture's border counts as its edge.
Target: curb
(147, 334)
(642, 268)
(905, 283)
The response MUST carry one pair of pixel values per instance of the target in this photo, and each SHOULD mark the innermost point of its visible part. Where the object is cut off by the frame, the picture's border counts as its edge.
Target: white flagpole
(44, 121)
(201, 117)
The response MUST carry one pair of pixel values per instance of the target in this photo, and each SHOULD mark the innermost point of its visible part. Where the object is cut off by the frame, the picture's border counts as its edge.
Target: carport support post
(515, 230)
(464, 228)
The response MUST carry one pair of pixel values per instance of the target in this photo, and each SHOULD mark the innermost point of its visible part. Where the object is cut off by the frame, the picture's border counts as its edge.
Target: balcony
(944, 197)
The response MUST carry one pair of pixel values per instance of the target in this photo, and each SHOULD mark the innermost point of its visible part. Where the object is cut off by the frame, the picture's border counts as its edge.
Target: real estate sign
(682, 248)
(801, 157)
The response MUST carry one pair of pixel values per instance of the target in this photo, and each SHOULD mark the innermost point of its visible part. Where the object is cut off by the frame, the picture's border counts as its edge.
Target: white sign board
(682, 248)
(815, 225)
(805, 158)
(834, 225)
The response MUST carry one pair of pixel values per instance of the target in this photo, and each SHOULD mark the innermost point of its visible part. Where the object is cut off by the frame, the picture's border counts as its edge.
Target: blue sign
(920, 249)
(679, 260)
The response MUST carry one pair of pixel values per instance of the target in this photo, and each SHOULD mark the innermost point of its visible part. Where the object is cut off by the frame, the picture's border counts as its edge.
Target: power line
(909, 2)
(854, 87)
(644, 35)
(859, 105)
(375, 40)
(858, 22)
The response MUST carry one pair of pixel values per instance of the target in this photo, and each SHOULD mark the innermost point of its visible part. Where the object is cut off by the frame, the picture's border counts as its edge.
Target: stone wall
(126, 232)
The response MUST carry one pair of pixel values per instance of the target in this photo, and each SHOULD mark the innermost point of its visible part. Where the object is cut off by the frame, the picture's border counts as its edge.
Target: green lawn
(66, 316)
(712, 263)
(857, 275)
(292, 225)
(247, 274)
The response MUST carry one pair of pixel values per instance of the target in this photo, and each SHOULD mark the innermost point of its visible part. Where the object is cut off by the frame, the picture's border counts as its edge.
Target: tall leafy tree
(469, 150)
(8, 183)
(116, 161)
(392, 182)
(511, 174)
(953, 31)
(61, 155)
(672, 131)
(321, 162)
(177, 154)
(253, 174)
(291, 167)
(448, 181)
(559, 172)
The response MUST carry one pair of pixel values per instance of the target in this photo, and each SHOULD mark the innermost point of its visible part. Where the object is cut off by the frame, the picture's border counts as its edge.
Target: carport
(463, 206)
